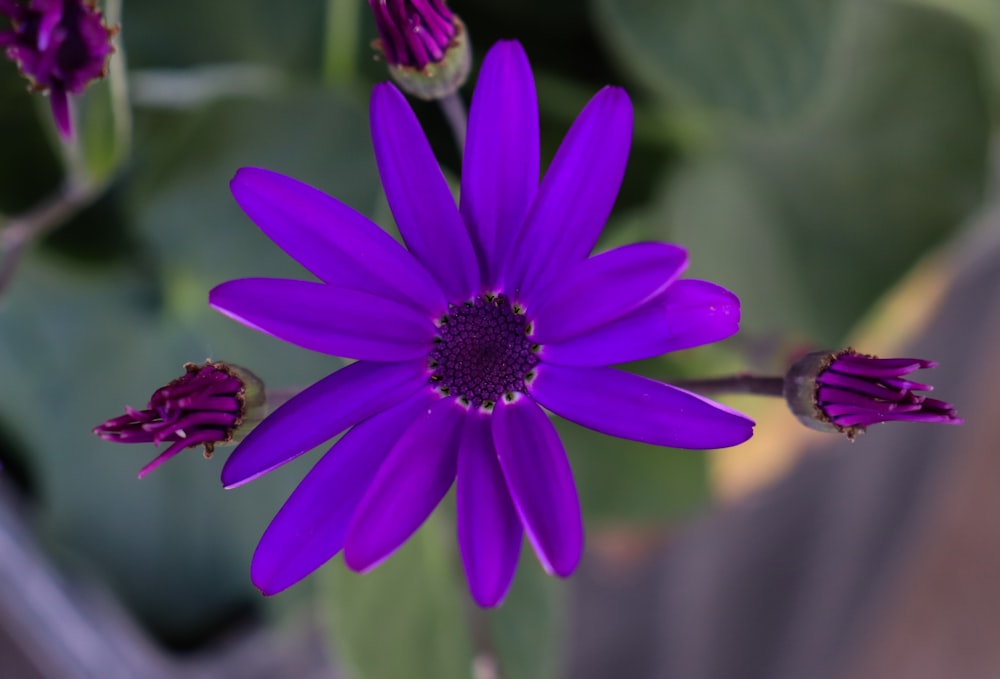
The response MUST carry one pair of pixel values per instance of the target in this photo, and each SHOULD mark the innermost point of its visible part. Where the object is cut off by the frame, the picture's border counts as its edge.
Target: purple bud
(204, 407)
(425, 45)
(60, 47)
(847, 392)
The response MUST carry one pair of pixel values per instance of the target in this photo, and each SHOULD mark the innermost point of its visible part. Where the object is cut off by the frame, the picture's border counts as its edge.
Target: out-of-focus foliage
(806, 152)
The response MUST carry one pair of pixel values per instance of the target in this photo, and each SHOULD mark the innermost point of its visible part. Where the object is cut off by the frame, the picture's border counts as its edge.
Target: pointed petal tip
(507, 49)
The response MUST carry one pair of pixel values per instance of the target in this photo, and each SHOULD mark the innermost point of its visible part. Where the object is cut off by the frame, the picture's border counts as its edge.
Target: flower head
(59, 45)
(203, 407)
(846, 391)
(494, 311)
(425, 45)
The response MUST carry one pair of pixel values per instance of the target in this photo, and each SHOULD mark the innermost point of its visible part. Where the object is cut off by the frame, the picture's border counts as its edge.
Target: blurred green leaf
(810, 222)
(759, 61)
(619, 479)
(194, 32)
(76, 346)
(984, 16)
(406, 617)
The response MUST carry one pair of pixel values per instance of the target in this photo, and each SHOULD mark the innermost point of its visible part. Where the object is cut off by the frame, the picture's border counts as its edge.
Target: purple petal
(605, 288)
(419, 196)
(412, 481)
(500, 167)
(688, 314)
(196, 439)
(320, 412)
(872, 389)
(335, 321)
(310, 528)
(575, 197)
(879, 367)
(489, 530)
(333, 241)
(540, 482)
(632, 407)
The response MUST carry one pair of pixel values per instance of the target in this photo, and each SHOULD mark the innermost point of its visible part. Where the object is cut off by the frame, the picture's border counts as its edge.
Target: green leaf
(619, 479)
(810, 223)
(406, 617)
(75, 346)
(757, 61)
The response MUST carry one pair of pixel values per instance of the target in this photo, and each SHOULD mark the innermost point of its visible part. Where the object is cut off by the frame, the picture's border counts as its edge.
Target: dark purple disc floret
(483, 352)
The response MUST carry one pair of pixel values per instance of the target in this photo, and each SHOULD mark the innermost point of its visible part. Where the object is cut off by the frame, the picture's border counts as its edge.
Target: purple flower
(846, 391)
(425, 45)
(204, 407)
(59, 45)
(493, 312)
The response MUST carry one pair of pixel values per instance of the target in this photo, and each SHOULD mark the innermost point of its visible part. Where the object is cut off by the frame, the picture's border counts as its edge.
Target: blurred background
(830, 161)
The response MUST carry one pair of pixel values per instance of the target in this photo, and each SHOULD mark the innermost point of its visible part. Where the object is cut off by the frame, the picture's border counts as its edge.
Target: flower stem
(485, 661)
(740, 383)
(21, 230)
(340, 42)
(279, 396)
(454, 111)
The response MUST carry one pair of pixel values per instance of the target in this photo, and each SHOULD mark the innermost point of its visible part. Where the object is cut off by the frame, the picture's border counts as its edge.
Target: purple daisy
(60, 46)
(494, 311)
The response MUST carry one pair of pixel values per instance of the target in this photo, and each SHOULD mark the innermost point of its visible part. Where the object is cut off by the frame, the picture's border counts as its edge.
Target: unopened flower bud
(60, 47)
(209, 405)
(425, 45)
(845, 391)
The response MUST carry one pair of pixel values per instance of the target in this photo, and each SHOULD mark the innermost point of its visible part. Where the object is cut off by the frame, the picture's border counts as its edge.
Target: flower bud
(209, 405)
(425, 45)
(845, 391)
(60, 47)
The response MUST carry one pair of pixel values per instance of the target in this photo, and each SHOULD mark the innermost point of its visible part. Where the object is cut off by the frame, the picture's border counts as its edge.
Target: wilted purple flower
(495, 311)
(204, 407)
(846, 391)
(425, 45)
(59, 45)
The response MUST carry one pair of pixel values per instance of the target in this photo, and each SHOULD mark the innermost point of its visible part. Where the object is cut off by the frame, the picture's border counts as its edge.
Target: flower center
(483, 352)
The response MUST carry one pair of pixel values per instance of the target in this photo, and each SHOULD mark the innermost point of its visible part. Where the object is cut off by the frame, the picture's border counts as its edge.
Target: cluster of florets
(60, 46)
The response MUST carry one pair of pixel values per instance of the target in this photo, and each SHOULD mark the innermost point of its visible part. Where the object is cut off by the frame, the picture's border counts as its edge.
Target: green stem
(340, 40)
(22, 230)
(121, 109)
(454, 111)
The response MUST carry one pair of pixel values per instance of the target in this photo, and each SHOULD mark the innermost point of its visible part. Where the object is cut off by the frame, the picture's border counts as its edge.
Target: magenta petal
(310, 528)
(419, 196)
(319, 413)
(540, 482)
(575, 197)
(412, 481)
(632, 407)
(500, 168)
(687, 314)
(333, 241)
(335, 321)
(606, 287)
(489, 530)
